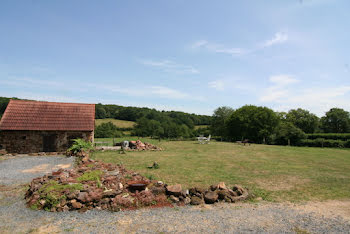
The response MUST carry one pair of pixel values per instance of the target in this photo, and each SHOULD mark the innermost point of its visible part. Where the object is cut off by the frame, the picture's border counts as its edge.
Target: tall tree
(252, 122)
(303, 119)
(336, 120)
(288, 133)
(100, 112)
(218, 125)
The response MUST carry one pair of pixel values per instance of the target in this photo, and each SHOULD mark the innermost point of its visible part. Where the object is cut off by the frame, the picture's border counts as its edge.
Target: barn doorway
(49, 143)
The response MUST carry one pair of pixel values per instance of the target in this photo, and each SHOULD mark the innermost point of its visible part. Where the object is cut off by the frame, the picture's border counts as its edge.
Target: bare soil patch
(281, 183)
(330, 209)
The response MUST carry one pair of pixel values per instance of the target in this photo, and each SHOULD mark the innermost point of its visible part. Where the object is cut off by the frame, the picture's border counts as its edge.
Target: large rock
(174, 199)
(75, 204)
(174, 189)
(196, 201)
(239, 189)
(157, 190)
(221, 186)
(83, 197)
(211, 197)
(223, 193)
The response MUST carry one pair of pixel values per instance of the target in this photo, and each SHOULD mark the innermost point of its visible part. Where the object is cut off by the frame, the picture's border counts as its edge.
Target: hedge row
(321, 142)
(330, 136)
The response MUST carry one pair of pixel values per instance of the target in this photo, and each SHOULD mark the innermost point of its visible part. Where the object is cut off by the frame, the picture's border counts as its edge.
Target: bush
(347, 144)
(287, 131)
(107, 130)
(80, 145)
(321, 142)
(332, 136)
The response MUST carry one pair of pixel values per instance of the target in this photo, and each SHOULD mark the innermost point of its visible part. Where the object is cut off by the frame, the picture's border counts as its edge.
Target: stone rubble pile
(215, 193)
(3, 152)
(96, 185)
(139, 145)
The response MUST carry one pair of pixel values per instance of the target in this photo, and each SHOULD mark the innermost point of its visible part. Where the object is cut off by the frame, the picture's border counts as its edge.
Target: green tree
(336, 120)
(252, 122)
(100, 112)
(286, 133)
(218, 125)
(303, 119)
(106, 130)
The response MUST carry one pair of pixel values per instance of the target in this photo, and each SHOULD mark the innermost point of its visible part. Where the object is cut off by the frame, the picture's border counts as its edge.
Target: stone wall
(32, 141)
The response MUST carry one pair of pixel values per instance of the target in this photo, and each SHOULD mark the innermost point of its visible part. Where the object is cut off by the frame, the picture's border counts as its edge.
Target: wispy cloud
(29, 82)
(166, 92)
(283, 95)
(170, 66)
(139, 90)
(217, 48)
(217, 84)
(278, 88)
(278, 38)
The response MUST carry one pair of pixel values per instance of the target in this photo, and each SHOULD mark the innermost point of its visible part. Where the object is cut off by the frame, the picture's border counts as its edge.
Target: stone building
(35, 126)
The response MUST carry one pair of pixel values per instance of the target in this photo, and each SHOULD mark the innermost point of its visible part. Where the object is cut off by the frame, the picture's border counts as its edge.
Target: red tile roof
(48, 116)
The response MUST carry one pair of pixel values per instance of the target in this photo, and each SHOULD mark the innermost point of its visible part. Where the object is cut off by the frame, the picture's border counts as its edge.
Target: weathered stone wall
(32, 141)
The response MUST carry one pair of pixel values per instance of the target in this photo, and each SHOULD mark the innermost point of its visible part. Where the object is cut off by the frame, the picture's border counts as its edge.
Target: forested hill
(134, 113)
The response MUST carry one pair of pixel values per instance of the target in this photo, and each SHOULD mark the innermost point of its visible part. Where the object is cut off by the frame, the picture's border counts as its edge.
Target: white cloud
(282, 95)
(170, 66)
(282, 80)
(147, 91)
(217, 84)
(165, 92)
(278, 88)
(138, 90)
(199, 43)
(29, 82)
(279, 38)
(218, 48)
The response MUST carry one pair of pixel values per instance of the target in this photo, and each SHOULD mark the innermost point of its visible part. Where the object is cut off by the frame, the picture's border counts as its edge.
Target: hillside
(116, 122)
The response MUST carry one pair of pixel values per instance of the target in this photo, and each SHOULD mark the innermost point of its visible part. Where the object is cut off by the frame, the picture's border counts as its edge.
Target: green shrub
(331, 136)
(91, 176)
(80, 145)
(287, 131)
(107, 130)
(320, 142)
(347, 144)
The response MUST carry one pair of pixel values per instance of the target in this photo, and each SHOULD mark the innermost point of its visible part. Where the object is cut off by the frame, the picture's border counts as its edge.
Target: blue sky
(192, 56)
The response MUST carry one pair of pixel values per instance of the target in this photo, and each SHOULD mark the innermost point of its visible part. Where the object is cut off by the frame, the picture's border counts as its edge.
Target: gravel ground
(219, 218)
(22, 169)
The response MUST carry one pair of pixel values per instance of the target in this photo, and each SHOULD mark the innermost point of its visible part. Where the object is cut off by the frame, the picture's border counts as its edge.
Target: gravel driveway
(22, 169)
(219, 218)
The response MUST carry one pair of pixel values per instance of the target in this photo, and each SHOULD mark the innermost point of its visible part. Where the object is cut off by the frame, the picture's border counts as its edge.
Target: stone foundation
(24, 142)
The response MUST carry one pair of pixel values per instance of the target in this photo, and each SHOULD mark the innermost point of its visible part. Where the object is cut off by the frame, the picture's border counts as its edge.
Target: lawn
(276, 173)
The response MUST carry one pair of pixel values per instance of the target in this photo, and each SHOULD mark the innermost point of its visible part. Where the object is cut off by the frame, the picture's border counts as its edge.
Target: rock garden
(97, 185)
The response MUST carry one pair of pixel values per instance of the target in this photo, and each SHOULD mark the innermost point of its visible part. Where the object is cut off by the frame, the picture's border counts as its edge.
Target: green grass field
(276, 173)
(116, 122)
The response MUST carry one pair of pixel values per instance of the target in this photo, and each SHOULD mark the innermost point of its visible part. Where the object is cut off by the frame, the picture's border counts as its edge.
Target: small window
(24, 137)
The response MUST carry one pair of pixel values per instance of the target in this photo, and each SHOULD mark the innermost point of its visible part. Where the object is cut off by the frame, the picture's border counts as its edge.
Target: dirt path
(312, 217)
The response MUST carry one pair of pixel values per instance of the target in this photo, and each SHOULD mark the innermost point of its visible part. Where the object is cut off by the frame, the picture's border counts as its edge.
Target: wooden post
(288, 142)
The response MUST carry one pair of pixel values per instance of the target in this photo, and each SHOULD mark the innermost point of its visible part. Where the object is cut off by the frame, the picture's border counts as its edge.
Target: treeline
(134, 113)
(151, 122)
(296, 127)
